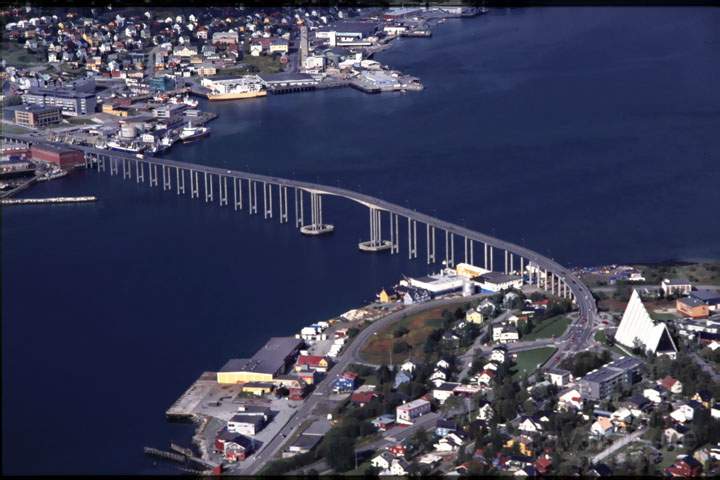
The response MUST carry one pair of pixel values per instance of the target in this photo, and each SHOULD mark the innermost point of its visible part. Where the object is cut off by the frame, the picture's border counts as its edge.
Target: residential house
(570, 399)
(675, 433)
(408, 412)
(601, 426)
(313, 362)
(444, 391)
(531, 423)
(401, 377)
(485, 411)
(558, 376)
(498, 354)
(671, 384)
(505, 333)
(444, 427)
(486, 377)
(704, 397)
(408, 367)
(382, 461)
(449, 443)
(675, 286)
(383, 422)
(654, 394)
(685, 467)
(474, 316)
(684, 413)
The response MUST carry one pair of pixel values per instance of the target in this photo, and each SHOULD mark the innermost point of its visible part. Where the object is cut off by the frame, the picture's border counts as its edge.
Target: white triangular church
(637, 324)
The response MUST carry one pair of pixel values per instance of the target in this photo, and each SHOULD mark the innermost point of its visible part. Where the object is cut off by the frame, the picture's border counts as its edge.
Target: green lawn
(551, 327)
(15, 54)
(529, 360)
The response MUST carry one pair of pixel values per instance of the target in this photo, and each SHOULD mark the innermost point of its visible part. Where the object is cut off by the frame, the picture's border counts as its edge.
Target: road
(618, 445)
(269, 450)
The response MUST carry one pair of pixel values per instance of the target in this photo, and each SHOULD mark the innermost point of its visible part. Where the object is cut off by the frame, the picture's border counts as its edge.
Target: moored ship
(247, 86)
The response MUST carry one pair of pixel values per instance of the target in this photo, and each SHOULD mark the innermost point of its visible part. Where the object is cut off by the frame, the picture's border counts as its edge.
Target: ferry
(190, 133)
(248, 86)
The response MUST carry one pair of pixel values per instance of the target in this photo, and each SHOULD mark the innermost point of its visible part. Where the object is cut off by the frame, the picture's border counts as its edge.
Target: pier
(33, 201)
(223, 187)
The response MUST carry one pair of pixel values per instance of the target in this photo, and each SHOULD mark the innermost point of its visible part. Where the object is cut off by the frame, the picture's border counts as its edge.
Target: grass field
(706, 273)
(264, 64)
(528, 361)
(378, 348)
(551, 327)
(14, 54)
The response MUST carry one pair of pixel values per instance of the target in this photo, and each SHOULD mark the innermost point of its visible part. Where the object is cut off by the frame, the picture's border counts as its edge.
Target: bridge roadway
(579, 292)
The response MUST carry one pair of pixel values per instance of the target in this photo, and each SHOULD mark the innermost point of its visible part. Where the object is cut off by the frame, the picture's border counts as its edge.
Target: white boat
(190, 133)
(132, 147)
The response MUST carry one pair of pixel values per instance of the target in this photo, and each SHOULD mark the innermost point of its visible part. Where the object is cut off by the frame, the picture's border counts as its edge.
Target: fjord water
(590, 135)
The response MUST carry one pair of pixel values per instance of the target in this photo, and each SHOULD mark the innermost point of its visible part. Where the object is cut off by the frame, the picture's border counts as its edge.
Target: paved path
(618, 445)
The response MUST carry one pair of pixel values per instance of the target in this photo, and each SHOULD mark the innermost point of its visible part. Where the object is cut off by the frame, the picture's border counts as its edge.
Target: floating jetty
(32, 201)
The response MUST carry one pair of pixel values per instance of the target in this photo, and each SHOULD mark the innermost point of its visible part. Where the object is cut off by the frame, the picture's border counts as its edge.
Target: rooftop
(497, 277)
(270, 358)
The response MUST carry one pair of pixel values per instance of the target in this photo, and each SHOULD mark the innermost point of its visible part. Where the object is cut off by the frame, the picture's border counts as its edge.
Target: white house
(673, 286)
(449, 443)
(444, 391)
(505, 334)
(653, 394)
(682, 414)
(485, 411)
(601, 426)
(408, 367)
(442, 364)
(438, 375)
(398, 468)
(382, 461)
(570, 399)
(486, 377)
(530, 425)
(408, 412)
(498, 355)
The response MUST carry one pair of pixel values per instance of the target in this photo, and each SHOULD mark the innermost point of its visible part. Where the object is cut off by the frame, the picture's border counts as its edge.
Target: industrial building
(437, 284)
(692, 307)
(497, 281)
(60, 155)
(602, 382)
(37, 116)
(637, 326)
(71, 102)
(270, 361)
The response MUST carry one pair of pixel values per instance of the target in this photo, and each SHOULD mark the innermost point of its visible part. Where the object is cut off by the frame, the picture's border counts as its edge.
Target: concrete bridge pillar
(153, 172)
(208, 186)
(166, 178)
(394, 234)
(283, 203)
(113, 166)
(180, 180)
(252, 194)
(299, 210)
(267, 200)
(317, 226)
(430, 233)
(412, 238)
(194, 187)
(222, 185)
(127, 173)
(237, 193)
(491, 251)
(139, 172)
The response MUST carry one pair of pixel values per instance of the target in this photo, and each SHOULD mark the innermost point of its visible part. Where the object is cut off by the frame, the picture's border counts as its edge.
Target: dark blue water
(590, 135)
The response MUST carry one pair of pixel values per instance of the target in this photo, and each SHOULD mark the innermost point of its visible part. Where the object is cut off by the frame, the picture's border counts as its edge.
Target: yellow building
(271, 360)
(258, 388)
(469, 271)
(473, 316)
(524, 447)
(384, 297)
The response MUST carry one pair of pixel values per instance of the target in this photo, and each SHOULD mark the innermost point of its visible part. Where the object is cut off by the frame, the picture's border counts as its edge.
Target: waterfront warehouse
(270, 360)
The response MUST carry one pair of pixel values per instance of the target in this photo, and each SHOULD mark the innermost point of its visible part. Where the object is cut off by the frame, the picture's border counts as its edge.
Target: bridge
(239, 190)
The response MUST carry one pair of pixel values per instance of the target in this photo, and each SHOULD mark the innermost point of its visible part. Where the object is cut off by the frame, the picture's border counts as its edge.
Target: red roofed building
(685, 467)
(671, 384)
(543, 464)
(398, 450)
(314, 362)
(363, 398)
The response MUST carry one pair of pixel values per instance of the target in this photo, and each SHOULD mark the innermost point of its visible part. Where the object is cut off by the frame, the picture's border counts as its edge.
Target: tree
(400, 331)
(340, 454)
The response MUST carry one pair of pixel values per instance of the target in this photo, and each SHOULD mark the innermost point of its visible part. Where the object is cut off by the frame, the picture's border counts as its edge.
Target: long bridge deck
(556, 278)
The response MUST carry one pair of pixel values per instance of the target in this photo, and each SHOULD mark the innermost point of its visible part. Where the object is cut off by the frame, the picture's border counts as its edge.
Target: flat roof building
(601, 383)
(270, 360)
(71, 102)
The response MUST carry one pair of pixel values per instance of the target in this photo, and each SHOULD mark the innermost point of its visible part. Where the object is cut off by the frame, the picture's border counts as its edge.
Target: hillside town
(476, 392)
(129, 79)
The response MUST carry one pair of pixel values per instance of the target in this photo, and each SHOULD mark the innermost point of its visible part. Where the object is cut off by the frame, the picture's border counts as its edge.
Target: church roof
(637, 324)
